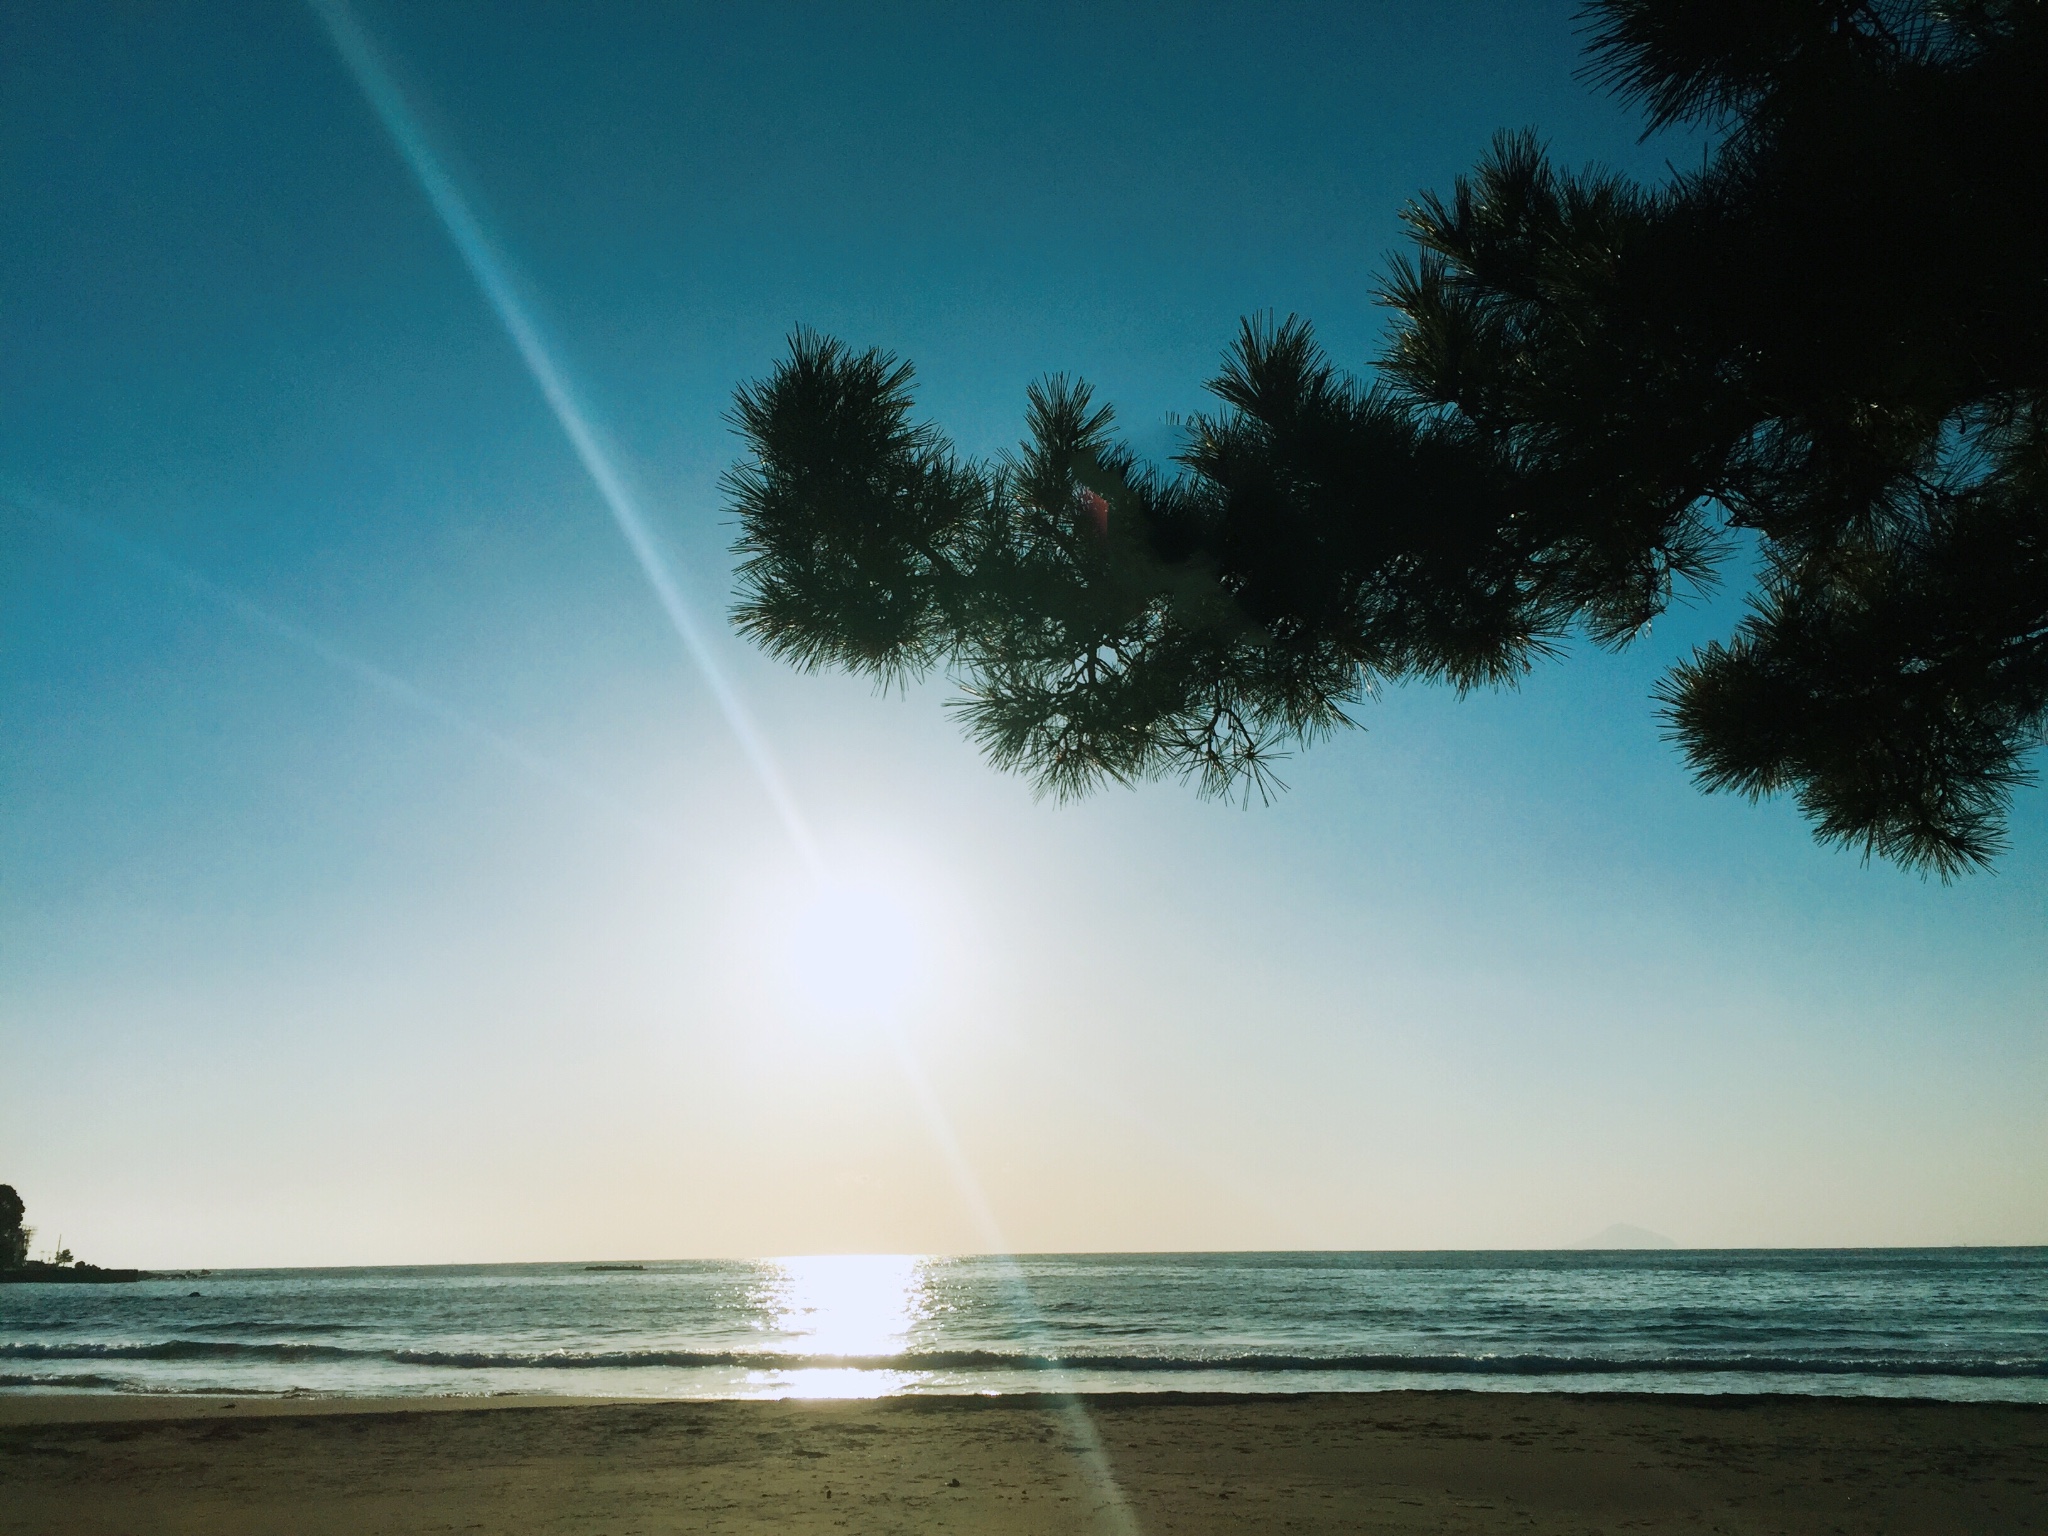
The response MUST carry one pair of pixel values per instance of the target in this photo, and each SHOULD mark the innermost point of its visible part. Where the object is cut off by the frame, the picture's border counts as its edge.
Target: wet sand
(1398, 1461)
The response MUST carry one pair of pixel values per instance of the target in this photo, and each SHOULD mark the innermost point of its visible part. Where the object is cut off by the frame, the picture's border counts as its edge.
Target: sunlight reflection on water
(846, 1383)
(859, 1307)
(1954, 1323)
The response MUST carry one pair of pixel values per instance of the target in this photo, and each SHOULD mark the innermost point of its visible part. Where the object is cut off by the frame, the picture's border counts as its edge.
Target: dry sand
(1398, 1461)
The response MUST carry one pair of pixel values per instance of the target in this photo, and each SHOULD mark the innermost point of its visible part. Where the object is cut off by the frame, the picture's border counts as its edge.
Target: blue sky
(379, 881)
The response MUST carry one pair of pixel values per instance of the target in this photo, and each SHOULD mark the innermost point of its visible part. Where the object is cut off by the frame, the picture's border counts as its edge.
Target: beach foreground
(1397, 1461)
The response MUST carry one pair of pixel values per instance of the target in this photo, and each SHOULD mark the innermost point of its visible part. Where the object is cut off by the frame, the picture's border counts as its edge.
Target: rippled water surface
(1955, 1323)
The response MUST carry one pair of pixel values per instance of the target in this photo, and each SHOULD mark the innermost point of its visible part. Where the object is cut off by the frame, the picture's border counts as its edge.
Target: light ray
(493, 276)
(1080, 1422)
(410, 695)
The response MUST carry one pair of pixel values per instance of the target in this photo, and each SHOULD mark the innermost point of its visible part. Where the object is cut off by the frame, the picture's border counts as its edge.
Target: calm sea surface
(1954, 1323)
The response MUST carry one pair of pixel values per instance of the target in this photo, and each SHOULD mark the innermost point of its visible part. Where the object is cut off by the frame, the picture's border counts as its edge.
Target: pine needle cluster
(1830, 340)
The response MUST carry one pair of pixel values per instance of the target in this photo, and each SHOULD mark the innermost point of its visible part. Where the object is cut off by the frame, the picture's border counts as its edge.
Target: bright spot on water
(851, 1307)
(847, 1304)
(854, 952)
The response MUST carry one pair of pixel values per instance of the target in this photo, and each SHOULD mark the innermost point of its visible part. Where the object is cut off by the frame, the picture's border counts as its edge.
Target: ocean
(1949, 1323)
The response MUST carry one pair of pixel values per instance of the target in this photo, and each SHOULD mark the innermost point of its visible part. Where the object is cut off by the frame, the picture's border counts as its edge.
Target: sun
(854, 952)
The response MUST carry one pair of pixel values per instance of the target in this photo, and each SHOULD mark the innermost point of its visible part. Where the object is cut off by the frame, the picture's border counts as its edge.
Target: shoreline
(1047, 1386)
(29, 1406)
(1111, 1462)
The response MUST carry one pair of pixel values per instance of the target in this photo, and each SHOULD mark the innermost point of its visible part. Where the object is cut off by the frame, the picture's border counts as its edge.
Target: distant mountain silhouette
(1622, 1235)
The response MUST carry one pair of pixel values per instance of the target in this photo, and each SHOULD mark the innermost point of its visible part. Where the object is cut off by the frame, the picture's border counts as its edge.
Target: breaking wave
(972, 1360)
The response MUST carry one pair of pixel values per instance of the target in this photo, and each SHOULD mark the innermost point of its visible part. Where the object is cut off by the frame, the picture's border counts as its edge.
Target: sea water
(1949, 1323)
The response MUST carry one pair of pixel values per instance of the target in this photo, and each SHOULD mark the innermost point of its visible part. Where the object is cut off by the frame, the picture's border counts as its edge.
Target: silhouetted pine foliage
(1831, 339)
(13, 1235)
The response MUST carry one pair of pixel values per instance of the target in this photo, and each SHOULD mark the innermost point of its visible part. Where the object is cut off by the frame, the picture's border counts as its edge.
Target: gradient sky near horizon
(380, 881)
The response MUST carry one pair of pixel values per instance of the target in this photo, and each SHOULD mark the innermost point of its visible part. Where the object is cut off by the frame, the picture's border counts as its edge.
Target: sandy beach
(1406, 1462)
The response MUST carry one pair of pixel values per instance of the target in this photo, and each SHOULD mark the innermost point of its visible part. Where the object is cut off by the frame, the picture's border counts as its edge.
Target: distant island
(17, 1268)
(42, 1272)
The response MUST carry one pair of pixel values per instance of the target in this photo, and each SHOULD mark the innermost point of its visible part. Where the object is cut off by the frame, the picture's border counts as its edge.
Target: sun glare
(843, 1313)
(858, 1305)
(854, 952)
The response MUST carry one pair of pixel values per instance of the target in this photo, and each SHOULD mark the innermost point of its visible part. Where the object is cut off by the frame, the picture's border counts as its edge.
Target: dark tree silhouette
(13, 1235)
(1830, 340)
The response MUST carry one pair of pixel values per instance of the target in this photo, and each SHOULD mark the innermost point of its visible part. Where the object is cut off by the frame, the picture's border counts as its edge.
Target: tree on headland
(16, 1267)
(1829, 341)
(13, 1235)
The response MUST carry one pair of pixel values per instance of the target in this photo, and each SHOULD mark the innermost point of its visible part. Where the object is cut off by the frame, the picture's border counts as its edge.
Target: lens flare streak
(1080, 1422)
(368, 674)
(493, 276)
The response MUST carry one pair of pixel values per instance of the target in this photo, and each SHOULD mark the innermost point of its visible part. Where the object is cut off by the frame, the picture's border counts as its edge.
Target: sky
(383, 881)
